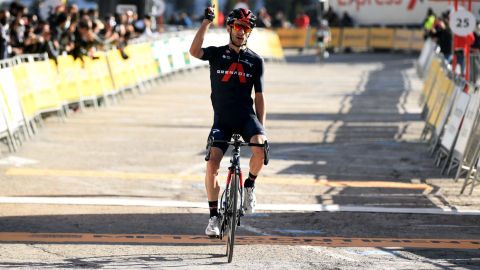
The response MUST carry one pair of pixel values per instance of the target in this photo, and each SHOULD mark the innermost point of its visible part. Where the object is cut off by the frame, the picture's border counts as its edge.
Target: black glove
(208, 15)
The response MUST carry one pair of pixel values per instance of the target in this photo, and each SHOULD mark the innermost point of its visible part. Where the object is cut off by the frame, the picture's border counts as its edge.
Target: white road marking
(263, 207)
(17, 161)
(252, 229)
(329, 252)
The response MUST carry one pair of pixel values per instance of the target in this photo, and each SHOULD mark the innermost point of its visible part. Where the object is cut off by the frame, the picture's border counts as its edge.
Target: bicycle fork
(229, 177)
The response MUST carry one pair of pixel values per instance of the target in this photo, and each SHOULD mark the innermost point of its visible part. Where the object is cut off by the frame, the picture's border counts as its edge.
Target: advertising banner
(467, 125)
(292, 38)
(455, 120)
(382, 37)
(418, 40)
(355, 37)
(403, 39)
(336, 34)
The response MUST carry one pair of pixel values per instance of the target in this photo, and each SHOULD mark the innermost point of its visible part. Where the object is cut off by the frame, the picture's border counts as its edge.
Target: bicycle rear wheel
(232, 221)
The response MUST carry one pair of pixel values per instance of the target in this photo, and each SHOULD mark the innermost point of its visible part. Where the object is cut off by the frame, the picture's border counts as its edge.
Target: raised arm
(196, 48)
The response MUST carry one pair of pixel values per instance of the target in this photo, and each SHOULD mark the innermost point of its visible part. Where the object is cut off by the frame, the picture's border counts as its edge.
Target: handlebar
(241, 144)
(236, 142)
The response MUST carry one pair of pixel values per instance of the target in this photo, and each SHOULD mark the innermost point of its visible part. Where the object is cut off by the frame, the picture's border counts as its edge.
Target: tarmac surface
(349, 186)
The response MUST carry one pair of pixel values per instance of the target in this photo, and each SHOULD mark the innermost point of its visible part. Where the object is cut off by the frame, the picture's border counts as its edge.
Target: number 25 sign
(462, 23)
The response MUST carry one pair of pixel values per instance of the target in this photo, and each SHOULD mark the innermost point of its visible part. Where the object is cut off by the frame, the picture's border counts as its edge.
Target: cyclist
(323, 40)
(234, 71)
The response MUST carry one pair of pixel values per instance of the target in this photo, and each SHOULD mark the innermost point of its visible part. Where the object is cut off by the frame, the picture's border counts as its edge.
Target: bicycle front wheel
(232, 221)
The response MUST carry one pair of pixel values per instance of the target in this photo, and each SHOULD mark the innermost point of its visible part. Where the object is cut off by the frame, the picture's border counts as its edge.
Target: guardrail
(361, 37)
(33, 85)
(451, 109)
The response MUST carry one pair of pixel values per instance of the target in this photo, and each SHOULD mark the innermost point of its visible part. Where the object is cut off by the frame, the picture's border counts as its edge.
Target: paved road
(122, 187)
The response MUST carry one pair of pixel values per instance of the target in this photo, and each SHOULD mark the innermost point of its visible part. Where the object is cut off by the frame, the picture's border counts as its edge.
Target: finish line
(264, 180)
(262, 207)
(7, 237)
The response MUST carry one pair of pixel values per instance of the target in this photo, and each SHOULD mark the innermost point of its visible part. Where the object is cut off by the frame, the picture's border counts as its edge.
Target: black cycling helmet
(242, 14)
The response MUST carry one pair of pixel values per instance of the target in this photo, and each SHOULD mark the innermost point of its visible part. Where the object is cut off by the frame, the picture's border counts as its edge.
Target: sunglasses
(239, 27)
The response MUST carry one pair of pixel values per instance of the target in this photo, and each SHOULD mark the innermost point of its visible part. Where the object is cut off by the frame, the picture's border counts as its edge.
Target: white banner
(467, 125)
(10, 98)
(177, 53)
(455, 120)
(3, 123)
(160, 54)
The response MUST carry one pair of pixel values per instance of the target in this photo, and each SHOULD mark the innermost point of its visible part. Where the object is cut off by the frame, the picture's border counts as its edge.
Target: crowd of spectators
(437, 28)
(67, 30)
(333, 19)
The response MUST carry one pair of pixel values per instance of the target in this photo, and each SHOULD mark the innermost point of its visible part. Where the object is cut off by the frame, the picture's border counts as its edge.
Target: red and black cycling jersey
(233, 76)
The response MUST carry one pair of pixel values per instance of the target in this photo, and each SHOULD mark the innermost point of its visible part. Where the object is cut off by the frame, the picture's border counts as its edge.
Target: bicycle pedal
(214, 236)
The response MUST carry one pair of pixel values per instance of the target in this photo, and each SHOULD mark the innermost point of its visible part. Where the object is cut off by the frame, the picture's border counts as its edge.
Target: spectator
(83, 40)
(330, 16)
(46, 44)
(461, 44)
(60, 30)
(73, 9)
(443, 35)
(4, 38)
(148, 26)
(172, 20)
(347, 20)
(31, 41)
(93, 14)
(476, 44)
(263, 19)
(302, 21)
(17, 31)
(185, 21)
(279, 21)
(429, 20)
(32, 19)
(83, 13)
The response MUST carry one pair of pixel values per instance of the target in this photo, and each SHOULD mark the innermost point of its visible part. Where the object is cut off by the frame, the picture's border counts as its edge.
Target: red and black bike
(231, 206)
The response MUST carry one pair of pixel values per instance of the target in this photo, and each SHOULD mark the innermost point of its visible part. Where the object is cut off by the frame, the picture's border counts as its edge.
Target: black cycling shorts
(241, 120)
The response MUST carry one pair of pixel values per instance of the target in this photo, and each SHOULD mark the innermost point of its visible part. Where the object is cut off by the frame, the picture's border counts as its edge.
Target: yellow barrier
(292, 38)
(403, 39)
(36, 87)
(84, 78)
(336, 35)
(355, 37)
(115, 62)
(25, 92)
(436, 89)
(446, 98)
(275, 45)
(102, 68)
(429, 79)
(313, 40)
(68, 75)
(440, 99)
(418, 40)
(382, 38)
(57, 78)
